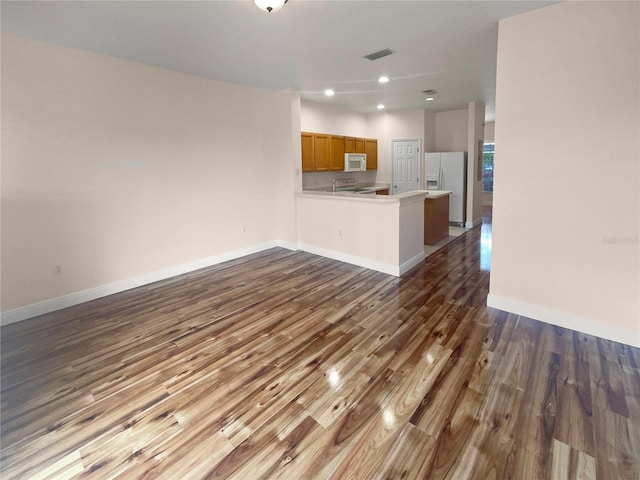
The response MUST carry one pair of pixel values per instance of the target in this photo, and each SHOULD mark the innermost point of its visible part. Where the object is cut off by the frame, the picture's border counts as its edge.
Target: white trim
(352, 259)
(412, 262)
(75, 298)
(475, 223)
(566, 320)
(392, 190)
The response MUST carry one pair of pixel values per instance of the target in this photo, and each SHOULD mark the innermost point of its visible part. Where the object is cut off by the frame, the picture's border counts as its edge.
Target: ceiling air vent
(380, 54)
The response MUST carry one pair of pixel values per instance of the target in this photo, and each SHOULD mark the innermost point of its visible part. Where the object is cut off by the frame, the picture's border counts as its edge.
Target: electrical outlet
(339, 232)
(244, 229)
(57, 270)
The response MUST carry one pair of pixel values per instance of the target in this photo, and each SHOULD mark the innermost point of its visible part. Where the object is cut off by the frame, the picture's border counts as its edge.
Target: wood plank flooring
(286, 365)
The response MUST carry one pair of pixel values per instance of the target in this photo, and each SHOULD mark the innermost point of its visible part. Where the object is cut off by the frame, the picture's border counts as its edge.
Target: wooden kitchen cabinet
(371, 149)
(350, 145)
(321, 152)
(382, 192)
(336, 154)
(353, 145)
(307, 152)
(436, 219)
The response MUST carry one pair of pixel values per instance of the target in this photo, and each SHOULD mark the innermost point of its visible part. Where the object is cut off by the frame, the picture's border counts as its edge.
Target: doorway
(405, 166)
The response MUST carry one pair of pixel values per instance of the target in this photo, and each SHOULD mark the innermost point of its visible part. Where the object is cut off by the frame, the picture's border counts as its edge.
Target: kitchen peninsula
(380, 232)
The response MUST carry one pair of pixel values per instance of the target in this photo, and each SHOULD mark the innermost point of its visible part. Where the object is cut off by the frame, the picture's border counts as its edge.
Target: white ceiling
(449, 46)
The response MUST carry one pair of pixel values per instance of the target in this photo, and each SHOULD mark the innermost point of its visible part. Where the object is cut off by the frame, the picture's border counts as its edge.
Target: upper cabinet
(371, 149)
(307, 152)
(350, 145)
(321, 148)
(336, 155)
(322, 152)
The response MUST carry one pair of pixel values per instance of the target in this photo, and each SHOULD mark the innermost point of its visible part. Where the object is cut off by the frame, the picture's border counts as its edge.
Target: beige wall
(385, 126)
(112, 169)
(489, 135)
(429, 131)
(382, 233)
(489, 132)
(452, 131)
(394, 125)
(474, 158)
(566, 202)
(317, 117)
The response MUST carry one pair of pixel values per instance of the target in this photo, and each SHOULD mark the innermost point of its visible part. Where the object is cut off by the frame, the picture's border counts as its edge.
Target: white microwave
(355, 162)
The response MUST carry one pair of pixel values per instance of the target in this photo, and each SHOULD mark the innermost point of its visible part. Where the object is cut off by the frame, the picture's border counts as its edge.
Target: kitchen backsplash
(323, 179)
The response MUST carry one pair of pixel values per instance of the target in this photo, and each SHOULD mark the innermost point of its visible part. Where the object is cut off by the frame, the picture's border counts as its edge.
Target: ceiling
(308, 46)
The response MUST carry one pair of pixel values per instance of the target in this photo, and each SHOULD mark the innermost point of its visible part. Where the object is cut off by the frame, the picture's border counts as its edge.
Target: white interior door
(405, 171)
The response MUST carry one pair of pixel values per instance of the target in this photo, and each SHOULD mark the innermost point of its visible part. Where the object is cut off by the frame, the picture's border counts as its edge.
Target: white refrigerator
(448, 171)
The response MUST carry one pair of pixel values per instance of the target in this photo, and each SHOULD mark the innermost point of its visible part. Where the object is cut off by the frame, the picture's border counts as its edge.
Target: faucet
(333, 184)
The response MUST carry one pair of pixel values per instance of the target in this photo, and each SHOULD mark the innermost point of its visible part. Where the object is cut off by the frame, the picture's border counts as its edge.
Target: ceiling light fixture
(380, 106)
(383, 79)
(429, 99)
(270, 5)
(329, 93)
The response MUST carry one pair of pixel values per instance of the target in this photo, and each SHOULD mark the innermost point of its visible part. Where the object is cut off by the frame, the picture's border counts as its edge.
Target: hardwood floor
(289, 365)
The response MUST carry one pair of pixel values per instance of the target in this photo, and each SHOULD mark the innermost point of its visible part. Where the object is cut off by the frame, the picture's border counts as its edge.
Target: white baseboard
(75, 298)
(412, 262)
(475, 223)
(566, 320)
(352, 259)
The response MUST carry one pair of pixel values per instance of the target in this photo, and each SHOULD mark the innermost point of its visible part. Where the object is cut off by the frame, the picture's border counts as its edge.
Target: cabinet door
(350, 145)
(371, 149)
(336, 156)
(307, 151)
(359, 145)
(320, 152)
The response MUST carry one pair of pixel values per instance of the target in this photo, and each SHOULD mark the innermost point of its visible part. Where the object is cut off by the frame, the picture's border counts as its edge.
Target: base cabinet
(436, 219)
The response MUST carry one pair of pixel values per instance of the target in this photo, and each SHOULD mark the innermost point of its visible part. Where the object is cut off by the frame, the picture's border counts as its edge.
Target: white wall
(566, 200)
(113, 169)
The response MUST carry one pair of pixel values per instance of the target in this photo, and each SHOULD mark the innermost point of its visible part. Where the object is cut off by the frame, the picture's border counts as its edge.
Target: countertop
(436, 193)
(361, 186)
(371, 198)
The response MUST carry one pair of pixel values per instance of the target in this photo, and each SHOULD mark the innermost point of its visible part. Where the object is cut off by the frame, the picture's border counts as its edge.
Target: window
(487, 167)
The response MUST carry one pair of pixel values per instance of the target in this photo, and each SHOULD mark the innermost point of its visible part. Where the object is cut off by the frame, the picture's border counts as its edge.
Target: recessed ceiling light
(383, 79)
(380, 106)
(429, 99)
(329, 93)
